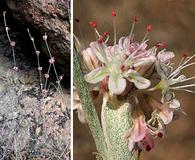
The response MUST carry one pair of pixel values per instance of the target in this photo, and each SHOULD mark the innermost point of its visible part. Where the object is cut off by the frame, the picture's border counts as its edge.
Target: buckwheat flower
(170, 77)
(139, 136)
(13, 44)
(115, 66)
(78, 107)
(15, 68)
(164, 110)
(45, 37)
(61, 77)
(37, 52)
(52, 60)
(40, 68)
(46, 76)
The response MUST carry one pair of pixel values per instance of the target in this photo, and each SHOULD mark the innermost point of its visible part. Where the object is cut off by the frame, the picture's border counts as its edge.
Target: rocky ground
(32, 126)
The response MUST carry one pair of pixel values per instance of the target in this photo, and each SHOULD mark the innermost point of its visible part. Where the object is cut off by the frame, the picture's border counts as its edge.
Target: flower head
(131, 70)
(118, 66)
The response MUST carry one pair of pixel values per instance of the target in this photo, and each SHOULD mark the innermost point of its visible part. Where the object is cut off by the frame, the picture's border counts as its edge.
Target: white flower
(117, 67)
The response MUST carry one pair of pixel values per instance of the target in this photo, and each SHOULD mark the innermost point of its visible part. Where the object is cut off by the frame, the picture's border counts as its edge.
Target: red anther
(105, 34)
(149, 28)
(162, 45)
(93, 24)
(160, 134)
(113, 13)
(101, 40)
(135, 18)
(148, 148)
(77, 20)
(185, 55)
(122, 68)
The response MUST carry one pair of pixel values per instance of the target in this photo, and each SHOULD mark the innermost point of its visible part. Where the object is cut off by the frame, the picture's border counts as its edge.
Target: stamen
(187, 79)
(135, 19)
(132, 55)
(162, 45)
(185, 55)
(186, 90)
(80, 32)
(182, 64)
(184, 86)
(94, 25)
(114, 24)
(148, 30)
(148, 148)
(160, 135)
(113, 13)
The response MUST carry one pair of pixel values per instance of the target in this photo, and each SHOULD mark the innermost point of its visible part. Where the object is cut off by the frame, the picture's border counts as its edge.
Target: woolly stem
(89, 109)
(116, 122)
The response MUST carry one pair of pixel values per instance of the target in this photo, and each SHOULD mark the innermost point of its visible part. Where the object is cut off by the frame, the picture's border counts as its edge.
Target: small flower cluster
(132, 70)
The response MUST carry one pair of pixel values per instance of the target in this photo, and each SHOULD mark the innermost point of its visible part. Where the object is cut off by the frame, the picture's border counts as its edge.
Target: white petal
(81, 115)
(116, 84)
(96, 75)
(144, 61)
(165, 56)
(166, 115)
(174, 104)
(93, 57)
(121, 41)
(139, 81)
(131, 145)
(99, 50)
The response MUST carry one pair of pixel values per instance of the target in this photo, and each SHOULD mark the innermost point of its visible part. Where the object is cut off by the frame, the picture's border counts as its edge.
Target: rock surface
(51, 17)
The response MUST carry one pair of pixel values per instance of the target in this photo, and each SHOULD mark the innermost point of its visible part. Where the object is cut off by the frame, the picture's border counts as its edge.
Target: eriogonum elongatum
(132, 70)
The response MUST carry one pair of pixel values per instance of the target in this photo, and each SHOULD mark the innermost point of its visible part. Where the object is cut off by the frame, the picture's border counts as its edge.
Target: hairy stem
(116, 122)
(89, 109)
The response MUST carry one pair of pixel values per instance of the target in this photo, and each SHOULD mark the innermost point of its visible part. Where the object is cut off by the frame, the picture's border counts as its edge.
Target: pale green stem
(89, 109)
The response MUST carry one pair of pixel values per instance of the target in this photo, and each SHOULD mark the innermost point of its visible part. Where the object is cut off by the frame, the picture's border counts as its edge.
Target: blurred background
(173, 21)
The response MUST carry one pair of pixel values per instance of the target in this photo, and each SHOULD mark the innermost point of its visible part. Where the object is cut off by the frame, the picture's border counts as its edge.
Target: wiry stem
(54, 68)
(12, 43)
(38, 61)
(89, 109)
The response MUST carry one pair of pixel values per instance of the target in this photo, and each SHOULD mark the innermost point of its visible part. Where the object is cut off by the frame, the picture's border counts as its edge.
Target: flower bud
(90, 59)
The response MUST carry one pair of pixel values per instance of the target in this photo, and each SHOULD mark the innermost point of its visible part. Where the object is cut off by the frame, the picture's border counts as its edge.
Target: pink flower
(116, 67)
(139, 136)
(15, 68)
(40, 68)
(13, 44)
(52, 60)
(46, 76)
(45, 37)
